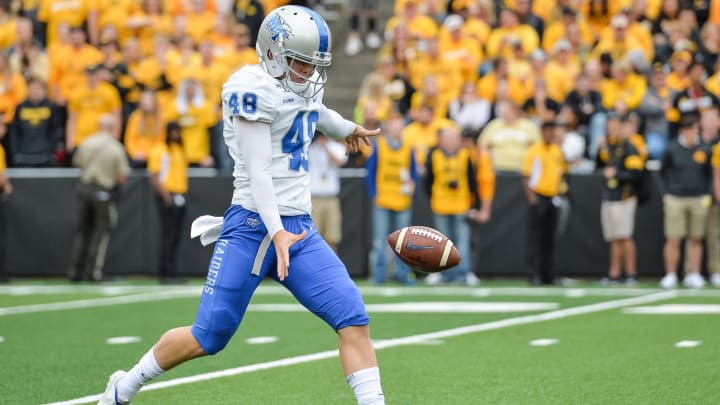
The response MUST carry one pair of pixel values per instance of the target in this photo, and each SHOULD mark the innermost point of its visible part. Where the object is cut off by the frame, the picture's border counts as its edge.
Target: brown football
(424, 249)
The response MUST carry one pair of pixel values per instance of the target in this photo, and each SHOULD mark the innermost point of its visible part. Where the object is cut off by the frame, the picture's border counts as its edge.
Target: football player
(270, 113)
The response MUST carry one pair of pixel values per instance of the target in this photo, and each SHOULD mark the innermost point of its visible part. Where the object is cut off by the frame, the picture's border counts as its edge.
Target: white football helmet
(295, 32)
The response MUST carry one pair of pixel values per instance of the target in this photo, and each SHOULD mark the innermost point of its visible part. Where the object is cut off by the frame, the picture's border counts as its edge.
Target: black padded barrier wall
(42, 218)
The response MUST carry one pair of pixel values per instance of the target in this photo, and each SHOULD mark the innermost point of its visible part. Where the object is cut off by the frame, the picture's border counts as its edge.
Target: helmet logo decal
(278, 28)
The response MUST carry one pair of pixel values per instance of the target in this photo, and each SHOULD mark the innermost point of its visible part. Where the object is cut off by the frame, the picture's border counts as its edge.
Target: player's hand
(283, 240)
(359, 135)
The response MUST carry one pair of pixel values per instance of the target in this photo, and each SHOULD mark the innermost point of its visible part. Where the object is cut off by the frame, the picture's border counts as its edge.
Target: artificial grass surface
(605, 357)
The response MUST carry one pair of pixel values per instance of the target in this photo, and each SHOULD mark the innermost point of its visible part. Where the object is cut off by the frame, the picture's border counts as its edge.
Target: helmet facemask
(311, 83)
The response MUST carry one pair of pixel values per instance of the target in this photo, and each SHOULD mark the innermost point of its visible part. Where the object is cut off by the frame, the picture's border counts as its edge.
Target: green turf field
(498, 344)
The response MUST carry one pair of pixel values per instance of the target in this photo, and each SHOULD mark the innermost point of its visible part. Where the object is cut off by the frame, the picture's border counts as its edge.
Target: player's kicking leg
(222, 306)
(319, 280)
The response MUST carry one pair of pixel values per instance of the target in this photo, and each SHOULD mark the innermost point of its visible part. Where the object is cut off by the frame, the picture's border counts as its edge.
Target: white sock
(145, 370)
(366, 386)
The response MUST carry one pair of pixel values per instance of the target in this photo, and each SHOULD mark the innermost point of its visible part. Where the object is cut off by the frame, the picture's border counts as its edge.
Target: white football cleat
(694, 280)
(669, 281)
(109, 397)
(715, 280)
(433, 279)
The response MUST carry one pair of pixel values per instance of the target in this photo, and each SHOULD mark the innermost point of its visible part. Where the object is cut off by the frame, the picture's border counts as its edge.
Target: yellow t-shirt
(8, 35)
(142, 135)
(508, 142)
(419, 27)
(67, 67)
(423, 137)
(715, 159)
(3, 163)
(235, 59)
(712, 84)
(211, 78)
(114, 13)
(171, 166)
(544, 166)
(13, 91)
(527, 35)
(89, 105)
(54, 12)
(464, 52)
(199, 26)
(560, 79)
(556, 32)
(194, 123)
(631, 92)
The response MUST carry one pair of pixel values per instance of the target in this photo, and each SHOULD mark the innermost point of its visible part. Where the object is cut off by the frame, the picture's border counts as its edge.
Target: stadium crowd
(468, 86)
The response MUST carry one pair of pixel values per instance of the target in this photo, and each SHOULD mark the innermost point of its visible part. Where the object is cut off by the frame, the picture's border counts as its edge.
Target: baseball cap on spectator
(453, 22)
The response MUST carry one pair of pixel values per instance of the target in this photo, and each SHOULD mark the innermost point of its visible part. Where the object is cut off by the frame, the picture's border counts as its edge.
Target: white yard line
(404, 341)
(160, 293)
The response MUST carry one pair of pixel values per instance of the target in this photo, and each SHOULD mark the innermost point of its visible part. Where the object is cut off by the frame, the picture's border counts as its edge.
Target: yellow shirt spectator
(169, 163)
(419, 26)
(200, 25)
(433, 63)
(624, 87)
(8, 33)
(67, 69)
(143, 132)
(497, 44)
(194, 117)
(620, 41)
(556, 31)
(391, 182)
(421, 134)
(85, 108)
(114, 13)
(544, 167)
(54, 12)
(459, 49)
(508, 139)
(13, 91)
(452, 181)
(712, 84)
(561, 74)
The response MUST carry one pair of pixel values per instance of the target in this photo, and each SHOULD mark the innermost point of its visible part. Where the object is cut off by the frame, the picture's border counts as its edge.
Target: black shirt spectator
(250, 13)
(35, 129)
(693, 100)
(686, 170)
(584, 101)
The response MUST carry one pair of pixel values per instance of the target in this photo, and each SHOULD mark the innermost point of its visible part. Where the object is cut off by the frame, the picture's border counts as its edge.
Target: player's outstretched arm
(332, 124)
(359, 136)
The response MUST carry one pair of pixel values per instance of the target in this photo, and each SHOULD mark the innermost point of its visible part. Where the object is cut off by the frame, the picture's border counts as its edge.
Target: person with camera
(452, 186)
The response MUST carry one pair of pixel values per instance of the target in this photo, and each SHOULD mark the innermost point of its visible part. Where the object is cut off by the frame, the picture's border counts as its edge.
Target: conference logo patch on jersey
(278, 28)
(252, 222)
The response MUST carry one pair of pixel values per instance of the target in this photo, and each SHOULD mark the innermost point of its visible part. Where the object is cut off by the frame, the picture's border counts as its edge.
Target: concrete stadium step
(346, 73)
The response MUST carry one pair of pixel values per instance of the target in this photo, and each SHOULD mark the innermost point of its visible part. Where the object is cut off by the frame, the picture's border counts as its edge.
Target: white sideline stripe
(404, 341)
(158, 293)
(34, 289)
(676, 309)
(426, 307)
(97, 302)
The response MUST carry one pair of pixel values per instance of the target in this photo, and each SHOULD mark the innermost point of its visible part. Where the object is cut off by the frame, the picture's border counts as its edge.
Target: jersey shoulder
(250, 93)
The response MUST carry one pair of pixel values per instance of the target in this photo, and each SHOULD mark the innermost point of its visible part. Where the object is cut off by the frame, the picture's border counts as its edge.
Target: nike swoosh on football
(412, 246)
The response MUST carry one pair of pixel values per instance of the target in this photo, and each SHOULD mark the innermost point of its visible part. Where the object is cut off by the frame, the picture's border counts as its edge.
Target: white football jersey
(254, 95)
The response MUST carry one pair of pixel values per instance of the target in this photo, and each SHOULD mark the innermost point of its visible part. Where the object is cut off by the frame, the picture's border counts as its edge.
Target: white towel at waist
(207, 227)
